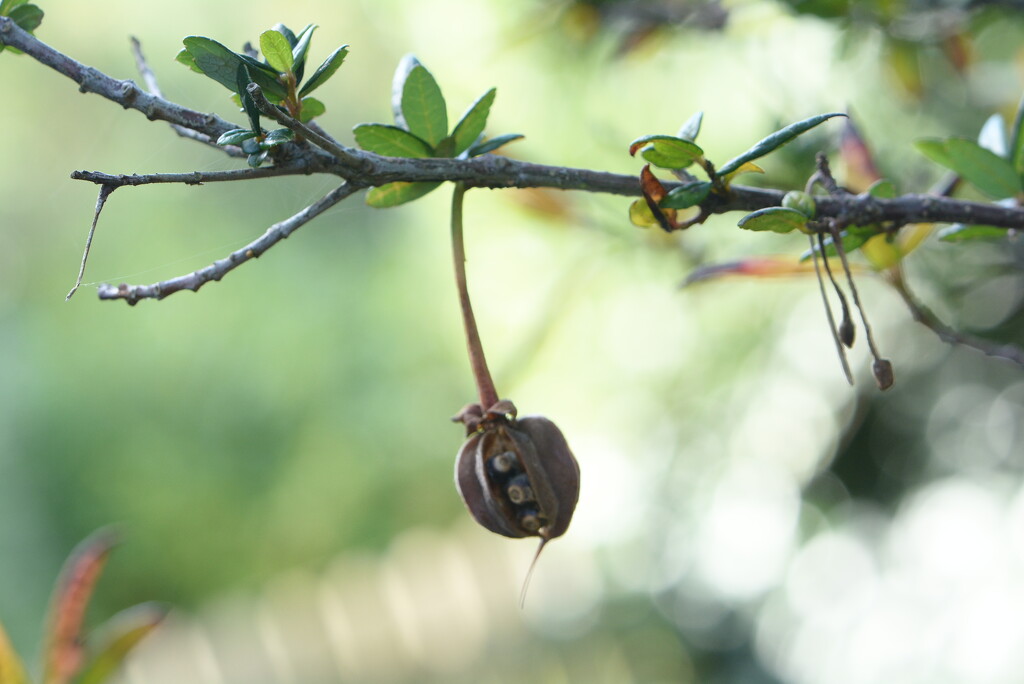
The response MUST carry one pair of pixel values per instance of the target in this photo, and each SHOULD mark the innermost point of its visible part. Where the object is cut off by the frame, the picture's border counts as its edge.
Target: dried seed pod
(517, 477)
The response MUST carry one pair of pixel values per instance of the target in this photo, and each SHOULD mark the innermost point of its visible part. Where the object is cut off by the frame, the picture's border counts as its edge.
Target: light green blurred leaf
(325, 70)
(775, 141)
(7, 5)
(393, 194)
(691, 129)
(882, 189)
(185, 57)
(1017, 142)
(391, 141)
(959, 232)
(311, 107)
(276, 50)
(774, 219)
(28, 17)
(423, 106)
(472, 123)
(117, 638)
(982, 168)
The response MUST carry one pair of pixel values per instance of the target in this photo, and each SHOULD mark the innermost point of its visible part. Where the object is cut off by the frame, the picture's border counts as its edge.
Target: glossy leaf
(492, 144)
(256, 158)
(276, 137)
(236, 136)
(117, 638)
(185, 57)
(423, 106)
(668, 152)
(277, 50)
(28, 17)
(985, 170)
(774, 219)
(325, 70)
(775, 141)
(472, 123)
(300, 51)
(215, 60)
(266, 77)
(63, 653)
(686, 196)
(11, 669)
(960, 232)
(393, 194)
(690, 129)
(248, 104)
(311, 107)
(391, 141)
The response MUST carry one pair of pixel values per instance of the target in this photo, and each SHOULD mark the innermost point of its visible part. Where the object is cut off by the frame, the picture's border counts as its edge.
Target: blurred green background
(277, 449)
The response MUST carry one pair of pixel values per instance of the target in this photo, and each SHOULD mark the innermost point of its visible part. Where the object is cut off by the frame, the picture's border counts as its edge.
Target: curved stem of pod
(484, 383)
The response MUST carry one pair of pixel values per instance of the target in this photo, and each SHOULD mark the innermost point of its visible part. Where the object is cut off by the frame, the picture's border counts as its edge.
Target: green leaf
(934, 149)
(775, 219)
(987, 171)
(185, 57)
(287, 33)
(214, 60)
(691, 128)
(472, 123)
(11, 669)
(775, 141)
(423, 106)
(5, 8)
(236, 136)
(882, 189)
(853, 237)
(267, 78)
(28, 17)
(117, 638)
(256, 158)
(405, 65)
(686, 196)
(669, 152)
(391, 141)
(276, 137)
(300, 50)
(277, 50)
(400, 192)
(493, 144)
(1017, 142)
(248, 104)
(311, 107)
(325, 70)
(959, 232)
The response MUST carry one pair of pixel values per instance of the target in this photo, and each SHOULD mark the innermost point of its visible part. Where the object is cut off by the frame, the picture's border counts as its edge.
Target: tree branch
(218, 269)
(190, 178)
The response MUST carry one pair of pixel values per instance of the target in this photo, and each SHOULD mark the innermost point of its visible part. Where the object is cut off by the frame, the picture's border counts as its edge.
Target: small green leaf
(117, 638)
(236, 136)
(472, 123)
(686, 196)
(934, 149)
(185, 57)
(28, 17)
(276, 137)
(988, 172)
(668, 152)
(959, 232)
(423, 106)
(640, 214)
(287, 33)
(775, 141)
(311, 107)
(248, 104)
(400, 192)
(11, 669)
(256, 158)
(391, 141)
(853, 237)
(215, 60)
(325, 70)
(5, 7)
(493, 144)
(690, 129)
(266, 77)
(276, 49)
(1017, 142)
(775, 219)
(301, 49)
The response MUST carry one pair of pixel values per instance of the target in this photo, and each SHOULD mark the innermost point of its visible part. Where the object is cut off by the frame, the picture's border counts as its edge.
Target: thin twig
(190, 178)
(218, 269)
(840, 351)
(149, 78)
(101, 199)
(926, 317)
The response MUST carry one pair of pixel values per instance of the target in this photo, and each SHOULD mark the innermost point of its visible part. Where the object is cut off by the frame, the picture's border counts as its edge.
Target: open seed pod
(517, 477)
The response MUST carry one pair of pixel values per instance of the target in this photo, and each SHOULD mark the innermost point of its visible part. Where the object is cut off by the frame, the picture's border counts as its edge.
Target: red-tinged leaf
(758, 267)
(861, 170)
(654, 192)
(11, 669)
(62, 658)
(118, 637)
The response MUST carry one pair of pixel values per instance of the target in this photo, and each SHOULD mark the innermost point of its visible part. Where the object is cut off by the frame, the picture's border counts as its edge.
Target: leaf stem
(484, 383)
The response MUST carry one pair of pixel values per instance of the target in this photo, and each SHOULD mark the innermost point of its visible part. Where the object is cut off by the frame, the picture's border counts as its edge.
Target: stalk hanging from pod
(517, 476)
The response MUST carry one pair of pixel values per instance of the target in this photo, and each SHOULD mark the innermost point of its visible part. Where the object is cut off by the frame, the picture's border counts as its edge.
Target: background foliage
(744, 516)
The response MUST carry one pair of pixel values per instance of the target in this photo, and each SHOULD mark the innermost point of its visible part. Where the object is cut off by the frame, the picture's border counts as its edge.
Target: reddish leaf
(654, 192)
